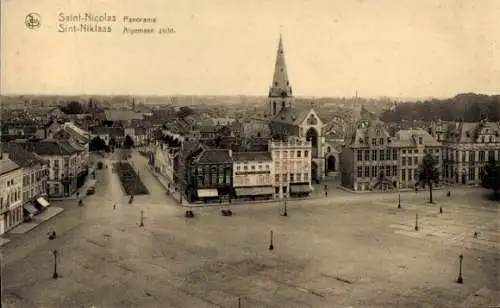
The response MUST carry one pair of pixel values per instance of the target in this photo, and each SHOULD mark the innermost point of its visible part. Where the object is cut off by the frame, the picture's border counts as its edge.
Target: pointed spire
(281, 85)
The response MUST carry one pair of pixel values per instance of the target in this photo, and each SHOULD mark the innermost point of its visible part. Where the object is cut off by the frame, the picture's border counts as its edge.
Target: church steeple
(280, 92)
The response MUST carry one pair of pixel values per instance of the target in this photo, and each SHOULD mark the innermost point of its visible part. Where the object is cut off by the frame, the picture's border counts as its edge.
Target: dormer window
(374, 141)
(381, 141)
(420, 140)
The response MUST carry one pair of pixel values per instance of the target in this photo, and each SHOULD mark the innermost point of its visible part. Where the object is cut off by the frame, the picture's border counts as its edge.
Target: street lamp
(285, 213)
(416, 222)
(141, 224)
(55, 275)
(399, 200)
(460, 259)
(271, 246)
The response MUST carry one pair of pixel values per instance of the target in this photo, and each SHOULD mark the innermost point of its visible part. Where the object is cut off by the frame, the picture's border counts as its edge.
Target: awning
(30, 208)
(43, 202)
(204, 193)
(254, 191)
(300, 188)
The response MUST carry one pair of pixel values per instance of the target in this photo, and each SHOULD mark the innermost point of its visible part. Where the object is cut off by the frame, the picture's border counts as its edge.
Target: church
(286, 121)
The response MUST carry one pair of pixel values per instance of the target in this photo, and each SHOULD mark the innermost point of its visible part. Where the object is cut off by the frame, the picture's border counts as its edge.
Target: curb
(41, 223)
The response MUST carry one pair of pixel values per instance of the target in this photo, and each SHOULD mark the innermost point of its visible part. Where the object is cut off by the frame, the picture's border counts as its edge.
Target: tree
(128, 143)
(428, 173)
(97, 144)
(491, 177)
(72, 108)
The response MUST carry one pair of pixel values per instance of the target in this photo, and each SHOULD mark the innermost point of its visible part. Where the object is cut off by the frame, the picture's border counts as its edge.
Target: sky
(396, 48)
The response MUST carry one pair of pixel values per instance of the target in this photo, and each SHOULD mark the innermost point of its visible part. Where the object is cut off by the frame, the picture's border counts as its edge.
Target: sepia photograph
(249, 154)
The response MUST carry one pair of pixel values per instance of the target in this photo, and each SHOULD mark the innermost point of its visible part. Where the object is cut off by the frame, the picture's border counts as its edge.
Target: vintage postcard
(265, 153)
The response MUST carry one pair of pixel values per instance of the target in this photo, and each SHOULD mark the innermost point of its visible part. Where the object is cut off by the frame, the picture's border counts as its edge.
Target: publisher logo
(32, 21)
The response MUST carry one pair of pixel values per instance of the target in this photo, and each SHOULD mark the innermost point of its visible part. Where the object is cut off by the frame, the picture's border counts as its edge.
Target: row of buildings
(34, 170)
(200, 172)
(373, 159)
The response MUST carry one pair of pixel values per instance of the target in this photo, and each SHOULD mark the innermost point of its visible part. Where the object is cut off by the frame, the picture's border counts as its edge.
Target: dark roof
(116, 132)
(251, 156)
(48, 147)
(21, 156)
(290, 115)
(213, 156)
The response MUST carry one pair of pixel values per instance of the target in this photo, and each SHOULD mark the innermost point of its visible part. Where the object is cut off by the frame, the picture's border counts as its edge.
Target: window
(464, 155)
(382, 155)
(276, 190)
(238, 168)
(367, 171)
(491, 155)
(404, 151)
(481, 156)
(374, 171)
(367, 155)
(285, 154)
(420, 140)
(277, 178)
(394, 170)
(260, 167)
(245, 167)
(388, 154)
(268, 167)
(410, 174)
(285, 177)
(387, 170)
(403, 161)
(381, 140)
(482, 139)
(298, 153)
(360, 155)
(299, 177)
(472, 174)
(292, 177)
(415, 159)
(360, 172)
(416, 151)
(403, 175)
(252, 167)
(277, 154)
(374, 141)
(374, 154)
(394, 154)
(472, 156)
(306, 177)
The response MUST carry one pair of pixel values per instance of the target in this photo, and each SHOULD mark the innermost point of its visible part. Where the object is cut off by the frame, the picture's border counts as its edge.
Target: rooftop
(7, 165)
(251, 156)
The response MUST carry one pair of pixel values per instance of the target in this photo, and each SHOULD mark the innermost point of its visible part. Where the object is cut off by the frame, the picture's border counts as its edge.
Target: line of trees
(468, 107)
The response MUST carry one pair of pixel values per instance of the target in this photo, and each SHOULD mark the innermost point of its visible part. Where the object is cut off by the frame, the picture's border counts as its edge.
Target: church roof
(292, 116)
(281, 85)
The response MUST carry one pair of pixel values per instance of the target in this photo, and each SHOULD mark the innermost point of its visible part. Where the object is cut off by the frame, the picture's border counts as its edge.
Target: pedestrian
(114, 206)
(326, 193)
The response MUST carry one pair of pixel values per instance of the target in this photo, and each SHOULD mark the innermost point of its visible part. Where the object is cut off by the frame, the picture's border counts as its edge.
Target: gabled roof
(7, 165)
(291, 116)
(410, 137)
(21, 156)
(122, 115)
(470, 132)
(213, 156)
(48, 147)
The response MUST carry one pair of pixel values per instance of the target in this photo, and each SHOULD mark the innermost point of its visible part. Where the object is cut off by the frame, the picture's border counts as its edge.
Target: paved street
(342, 251)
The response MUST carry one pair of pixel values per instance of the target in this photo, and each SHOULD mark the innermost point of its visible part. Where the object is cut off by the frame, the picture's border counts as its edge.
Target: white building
(11, 180)
(292, 167)
(165, 164)
(253, 174)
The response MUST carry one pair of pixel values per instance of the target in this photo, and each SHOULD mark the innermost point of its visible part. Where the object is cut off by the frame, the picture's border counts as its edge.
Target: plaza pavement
(340, 251)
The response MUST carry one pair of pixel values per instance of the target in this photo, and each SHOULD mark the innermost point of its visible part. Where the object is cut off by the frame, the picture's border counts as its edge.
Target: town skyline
(411, 50)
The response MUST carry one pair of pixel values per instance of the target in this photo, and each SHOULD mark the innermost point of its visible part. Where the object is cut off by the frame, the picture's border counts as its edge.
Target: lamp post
(271, 246)
(460, 259)
(55, 275)
(416, 222)
(285, 213)
(399, 200)
(141, 224)
(239, 302)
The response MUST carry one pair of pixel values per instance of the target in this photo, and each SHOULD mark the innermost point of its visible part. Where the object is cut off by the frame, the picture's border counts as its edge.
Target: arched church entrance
(331, 164)
(312, 135)
(314, 172)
